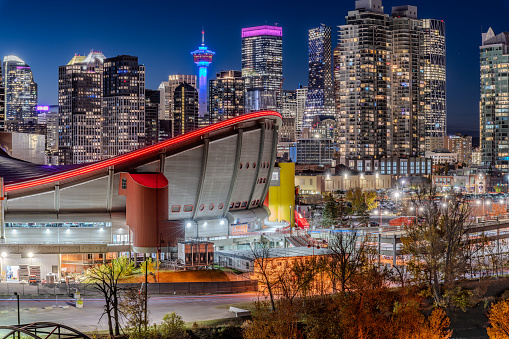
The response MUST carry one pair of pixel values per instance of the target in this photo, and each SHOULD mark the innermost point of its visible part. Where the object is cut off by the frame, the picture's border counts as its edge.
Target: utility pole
(146, 288)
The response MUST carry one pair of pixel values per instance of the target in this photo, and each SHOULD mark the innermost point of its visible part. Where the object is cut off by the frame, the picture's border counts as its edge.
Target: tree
(437, 241)
(498, 316)
(151, 268)
(335, 211)
(280, 323)
(330, 212)
(350, 255)
(262, 270)
(362, 201)
(133, 309)
(106, 278)
(173, 327)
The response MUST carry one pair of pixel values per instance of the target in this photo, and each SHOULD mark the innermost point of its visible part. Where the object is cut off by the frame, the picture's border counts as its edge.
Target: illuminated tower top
(202, 56)
(202, 59)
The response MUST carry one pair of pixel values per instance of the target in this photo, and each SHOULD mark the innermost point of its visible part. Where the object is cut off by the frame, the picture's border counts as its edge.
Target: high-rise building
(164, 100)
(80, 92)
(406, 110)
(364, 81)
(48, 116)
(320, 98)
(20, 92)
(288, 110)
(226, 96)
(123, 121)
(174, 81)
(389, 81)
(435, 108)
(185, 109)
(262, 66)
(494, 104)
(301, 94)
(202, 58)
(152, 100)
(336, 71)
(461, 145)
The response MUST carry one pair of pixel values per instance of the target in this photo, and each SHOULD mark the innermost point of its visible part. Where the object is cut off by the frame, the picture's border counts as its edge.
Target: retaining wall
(209, 287)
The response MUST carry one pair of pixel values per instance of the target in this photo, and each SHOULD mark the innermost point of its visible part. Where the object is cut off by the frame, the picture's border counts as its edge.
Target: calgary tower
(202, 59)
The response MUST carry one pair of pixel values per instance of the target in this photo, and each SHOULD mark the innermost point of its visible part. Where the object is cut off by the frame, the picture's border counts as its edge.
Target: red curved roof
(151, 180)
(92, 167)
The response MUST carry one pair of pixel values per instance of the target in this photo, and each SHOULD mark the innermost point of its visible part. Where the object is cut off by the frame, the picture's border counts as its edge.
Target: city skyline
(37, 42)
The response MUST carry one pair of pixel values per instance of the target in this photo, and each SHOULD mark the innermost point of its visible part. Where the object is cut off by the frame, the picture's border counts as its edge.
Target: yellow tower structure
(281, 197)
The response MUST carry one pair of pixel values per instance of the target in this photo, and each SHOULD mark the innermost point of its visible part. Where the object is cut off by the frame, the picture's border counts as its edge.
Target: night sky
(46, 34)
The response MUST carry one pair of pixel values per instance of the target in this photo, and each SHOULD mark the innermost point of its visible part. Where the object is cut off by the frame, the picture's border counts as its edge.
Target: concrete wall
(88, 290)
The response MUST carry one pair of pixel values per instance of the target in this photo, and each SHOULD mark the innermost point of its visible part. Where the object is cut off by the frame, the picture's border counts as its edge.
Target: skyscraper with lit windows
(364, 81)
(20, 92)
(226, 96)
(389, 79)
(80, 92)
(406, 113)
(262, 66)
(494, 103)
(123, 119)
(435, 107)
(320, 98)
(185, 105)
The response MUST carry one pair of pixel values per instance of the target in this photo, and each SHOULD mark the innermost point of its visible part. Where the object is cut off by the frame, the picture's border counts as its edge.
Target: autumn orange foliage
(499, 320)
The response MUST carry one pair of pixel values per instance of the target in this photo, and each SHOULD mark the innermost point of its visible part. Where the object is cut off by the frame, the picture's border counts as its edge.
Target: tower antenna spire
(202, 36)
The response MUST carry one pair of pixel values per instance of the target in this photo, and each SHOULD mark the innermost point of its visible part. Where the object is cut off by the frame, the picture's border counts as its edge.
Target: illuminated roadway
(190, 307)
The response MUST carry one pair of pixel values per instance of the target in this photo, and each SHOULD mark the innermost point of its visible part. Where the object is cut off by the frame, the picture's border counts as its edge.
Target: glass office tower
(320, 94)
(494, 103)
(20, 92)
(262, 66)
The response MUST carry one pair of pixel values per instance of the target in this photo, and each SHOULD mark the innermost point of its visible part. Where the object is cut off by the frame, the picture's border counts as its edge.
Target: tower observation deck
(202, 58)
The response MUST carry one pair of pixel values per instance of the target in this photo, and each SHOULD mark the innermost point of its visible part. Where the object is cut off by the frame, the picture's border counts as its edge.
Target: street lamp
(396, 195)
(19, 320)
(317, 136)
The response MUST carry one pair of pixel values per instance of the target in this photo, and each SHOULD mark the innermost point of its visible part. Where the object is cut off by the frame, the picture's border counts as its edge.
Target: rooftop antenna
(202, 36)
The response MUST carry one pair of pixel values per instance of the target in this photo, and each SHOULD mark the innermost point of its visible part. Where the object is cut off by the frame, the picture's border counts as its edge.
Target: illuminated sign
(274, 178)
(238, 229)
(43, 108)
(262, 30)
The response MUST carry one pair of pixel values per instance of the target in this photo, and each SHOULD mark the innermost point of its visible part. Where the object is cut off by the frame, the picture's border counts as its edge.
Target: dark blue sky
(46, 34)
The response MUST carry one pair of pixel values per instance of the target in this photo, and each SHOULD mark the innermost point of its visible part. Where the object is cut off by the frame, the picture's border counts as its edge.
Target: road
(191, 308)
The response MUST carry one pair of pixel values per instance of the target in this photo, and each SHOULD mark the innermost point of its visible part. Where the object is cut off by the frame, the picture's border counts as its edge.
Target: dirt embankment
(183, 276)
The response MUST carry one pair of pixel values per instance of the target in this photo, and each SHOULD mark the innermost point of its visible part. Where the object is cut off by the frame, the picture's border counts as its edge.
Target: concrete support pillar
(59, 267)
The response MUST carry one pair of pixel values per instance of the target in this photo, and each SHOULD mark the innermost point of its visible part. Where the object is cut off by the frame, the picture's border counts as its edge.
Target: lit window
(124, 183)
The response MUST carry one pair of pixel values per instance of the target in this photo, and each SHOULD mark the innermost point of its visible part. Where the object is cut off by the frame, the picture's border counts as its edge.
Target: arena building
(206, 183)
